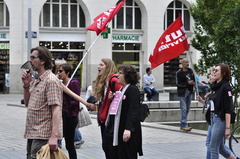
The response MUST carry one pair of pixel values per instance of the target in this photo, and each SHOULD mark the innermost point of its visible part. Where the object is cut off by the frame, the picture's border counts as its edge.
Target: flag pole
(194, 72)
(83, 59)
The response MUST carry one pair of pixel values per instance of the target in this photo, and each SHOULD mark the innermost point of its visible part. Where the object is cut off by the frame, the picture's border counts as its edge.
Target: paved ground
(159, 141)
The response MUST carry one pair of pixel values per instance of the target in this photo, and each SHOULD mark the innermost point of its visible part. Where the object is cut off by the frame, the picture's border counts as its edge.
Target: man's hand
(53, 144)
(26, 78)
(191, 82)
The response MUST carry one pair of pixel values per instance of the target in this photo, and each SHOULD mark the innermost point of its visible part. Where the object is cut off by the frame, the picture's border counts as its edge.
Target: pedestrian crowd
(52, 98)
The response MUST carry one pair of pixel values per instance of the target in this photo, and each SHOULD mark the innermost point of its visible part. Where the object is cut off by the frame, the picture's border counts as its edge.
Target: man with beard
(185, 81)
(43, 98)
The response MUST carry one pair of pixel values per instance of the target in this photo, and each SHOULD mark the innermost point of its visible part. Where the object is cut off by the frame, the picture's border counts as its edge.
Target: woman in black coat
(124, 127)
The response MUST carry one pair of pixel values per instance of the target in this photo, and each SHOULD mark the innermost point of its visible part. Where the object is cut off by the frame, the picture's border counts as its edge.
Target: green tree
(217, 37)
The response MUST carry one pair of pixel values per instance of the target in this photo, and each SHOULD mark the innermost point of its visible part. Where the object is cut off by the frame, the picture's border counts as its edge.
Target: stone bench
(173, 95)
(155, 97)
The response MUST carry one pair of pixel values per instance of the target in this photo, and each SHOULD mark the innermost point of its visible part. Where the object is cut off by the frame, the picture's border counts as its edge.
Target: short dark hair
(130, 74)
(148, 69)
(45, 55)
(67, 68)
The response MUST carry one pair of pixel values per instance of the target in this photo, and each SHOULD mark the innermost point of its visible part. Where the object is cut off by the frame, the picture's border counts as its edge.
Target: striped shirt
(44, 92)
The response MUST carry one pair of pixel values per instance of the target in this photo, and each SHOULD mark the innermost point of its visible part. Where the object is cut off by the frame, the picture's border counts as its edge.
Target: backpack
(144, 111)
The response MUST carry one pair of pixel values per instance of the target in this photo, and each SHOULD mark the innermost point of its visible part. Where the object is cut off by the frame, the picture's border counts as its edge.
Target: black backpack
(144, 111)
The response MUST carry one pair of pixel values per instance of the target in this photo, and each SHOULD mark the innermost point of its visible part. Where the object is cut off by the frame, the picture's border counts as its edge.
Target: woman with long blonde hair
(106, 81)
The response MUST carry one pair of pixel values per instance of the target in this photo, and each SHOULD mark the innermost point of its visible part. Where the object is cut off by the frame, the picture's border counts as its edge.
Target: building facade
(60, 25)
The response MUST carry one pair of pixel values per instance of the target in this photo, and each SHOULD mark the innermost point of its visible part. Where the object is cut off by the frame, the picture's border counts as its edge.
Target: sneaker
(78, 145)
(186, 128)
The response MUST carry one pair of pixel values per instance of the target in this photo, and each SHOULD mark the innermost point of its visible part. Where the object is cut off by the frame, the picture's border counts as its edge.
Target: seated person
(148, 80)
(202, 84)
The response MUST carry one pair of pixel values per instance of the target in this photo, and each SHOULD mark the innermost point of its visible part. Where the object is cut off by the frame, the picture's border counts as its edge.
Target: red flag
(171, 44)
(100, 22)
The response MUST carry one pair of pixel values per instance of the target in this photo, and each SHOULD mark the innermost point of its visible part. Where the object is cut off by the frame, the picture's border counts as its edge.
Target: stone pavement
(159, 141)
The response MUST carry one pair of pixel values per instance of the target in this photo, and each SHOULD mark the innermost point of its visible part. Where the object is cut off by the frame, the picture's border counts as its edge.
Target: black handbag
(208, 116)
(91, 99)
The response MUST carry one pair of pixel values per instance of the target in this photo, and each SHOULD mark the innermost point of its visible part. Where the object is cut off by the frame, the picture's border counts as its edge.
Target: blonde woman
(106, 81)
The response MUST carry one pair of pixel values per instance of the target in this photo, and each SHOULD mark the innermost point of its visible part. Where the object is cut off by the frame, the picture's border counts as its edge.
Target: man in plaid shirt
(43, 98)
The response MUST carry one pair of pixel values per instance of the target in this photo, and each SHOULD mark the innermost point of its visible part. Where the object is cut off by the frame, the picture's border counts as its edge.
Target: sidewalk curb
(155, 125)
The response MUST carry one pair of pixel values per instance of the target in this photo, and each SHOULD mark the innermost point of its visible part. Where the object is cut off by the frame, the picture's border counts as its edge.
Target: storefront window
(77, 45)
(66, 52)
(55, 13)
(126, 53)
(63, 45)
(60, 45)
(46, 44)
(4, 67)
(118, 46)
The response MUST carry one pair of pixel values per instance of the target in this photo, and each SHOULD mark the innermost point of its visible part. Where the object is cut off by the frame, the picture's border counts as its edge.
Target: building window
(128, 17)
(62, 13)
(173, 11)
(63, 45)
(126, 53)
(4, 14)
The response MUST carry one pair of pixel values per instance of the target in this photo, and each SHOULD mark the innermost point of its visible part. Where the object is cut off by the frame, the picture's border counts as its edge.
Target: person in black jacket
(124, 127)
(185, 81)
(221, 106)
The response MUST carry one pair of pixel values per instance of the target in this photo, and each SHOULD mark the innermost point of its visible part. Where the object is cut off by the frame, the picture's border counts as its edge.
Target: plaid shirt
(44, 92)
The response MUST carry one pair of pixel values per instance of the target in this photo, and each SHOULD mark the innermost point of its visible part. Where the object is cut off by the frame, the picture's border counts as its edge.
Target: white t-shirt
(88, 93)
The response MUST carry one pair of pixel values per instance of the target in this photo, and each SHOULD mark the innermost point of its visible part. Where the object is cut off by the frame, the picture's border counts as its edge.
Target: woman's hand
(110, 95)
(91, 106)
(227, 132)
(199, 99)
(126, 135)
(207, 95)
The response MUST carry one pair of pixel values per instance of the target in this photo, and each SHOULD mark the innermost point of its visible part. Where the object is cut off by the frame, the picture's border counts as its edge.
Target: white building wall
(152, 26)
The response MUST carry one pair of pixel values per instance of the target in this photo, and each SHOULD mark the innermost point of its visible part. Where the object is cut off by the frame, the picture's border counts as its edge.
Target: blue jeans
(185, 103)
(204, 88)
(217, 138)
(208, 139)
(150, 92)
(77, 137)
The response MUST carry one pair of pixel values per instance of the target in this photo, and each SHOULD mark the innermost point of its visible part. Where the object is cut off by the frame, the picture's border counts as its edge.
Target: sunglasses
(60, 71)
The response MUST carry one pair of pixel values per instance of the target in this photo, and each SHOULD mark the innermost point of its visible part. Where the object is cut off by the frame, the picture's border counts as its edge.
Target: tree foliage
(217, 36)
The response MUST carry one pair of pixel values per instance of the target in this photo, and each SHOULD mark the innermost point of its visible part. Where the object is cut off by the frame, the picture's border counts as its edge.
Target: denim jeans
(185, 103)
(77, 137)
(150, 92)
(208, 139)
(204, 88)
(217, 138)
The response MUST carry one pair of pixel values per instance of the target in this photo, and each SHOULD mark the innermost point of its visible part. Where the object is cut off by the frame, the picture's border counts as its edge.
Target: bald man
(185, 82)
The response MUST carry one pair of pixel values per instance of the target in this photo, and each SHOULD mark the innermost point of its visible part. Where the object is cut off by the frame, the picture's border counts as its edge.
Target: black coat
(182, 82)
(129, 120)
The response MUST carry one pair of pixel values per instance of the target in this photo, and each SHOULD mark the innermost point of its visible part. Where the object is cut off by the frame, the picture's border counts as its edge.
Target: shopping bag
(45, 153)
(84, 118)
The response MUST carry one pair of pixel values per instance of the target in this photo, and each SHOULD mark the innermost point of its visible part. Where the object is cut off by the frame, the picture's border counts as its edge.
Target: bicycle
(234, 141)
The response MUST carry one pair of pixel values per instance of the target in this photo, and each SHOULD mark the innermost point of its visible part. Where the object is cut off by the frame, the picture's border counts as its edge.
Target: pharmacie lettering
(126, 37)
